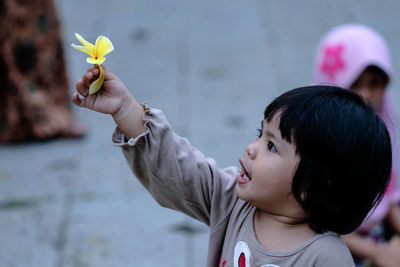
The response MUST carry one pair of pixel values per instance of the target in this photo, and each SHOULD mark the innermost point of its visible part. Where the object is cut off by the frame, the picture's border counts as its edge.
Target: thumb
(78, 100)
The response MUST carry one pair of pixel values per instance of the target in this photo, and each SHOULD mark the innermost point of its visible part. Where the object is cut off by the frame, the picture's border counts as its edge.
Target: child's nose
(251, 150)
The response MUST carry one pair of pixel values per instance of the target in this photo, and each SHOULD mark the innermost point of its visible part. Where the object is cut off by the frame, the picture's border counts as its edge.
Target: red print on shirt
(332, 61)
(242, 255)
(222, 263)
(242, 260)
(240, 263)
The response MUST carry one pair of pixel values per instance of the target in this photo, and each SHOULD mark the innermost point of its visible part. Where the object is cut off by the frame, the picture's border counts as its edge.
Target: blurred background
(212, 67)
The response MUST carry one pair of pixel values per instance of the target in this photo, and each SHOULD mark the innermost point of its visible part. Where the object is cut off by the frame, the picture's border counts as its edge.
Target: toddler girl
(294, 195)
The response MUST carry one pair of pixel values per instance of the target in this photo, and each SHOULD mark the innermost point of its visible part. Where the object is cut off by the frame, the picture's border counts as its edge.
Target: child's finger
(91, 75)
(88, 78)
(90, 69)
(78, 101)
(82, 88)
(95, 71)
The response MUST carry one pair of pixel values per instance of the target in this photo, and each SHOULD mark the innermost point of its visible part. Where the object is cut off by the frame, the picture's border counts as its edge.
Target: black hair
(345, 154)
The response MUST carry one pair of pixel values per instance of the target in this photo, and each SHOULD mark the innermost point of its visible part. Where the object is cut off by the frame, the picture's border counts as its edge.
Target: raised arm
(114, 99)
(175, 173)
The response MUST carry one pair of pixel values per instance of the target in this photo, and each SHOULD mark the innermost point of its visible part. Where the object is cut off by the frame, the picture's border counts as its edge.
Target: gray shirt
(180, 177)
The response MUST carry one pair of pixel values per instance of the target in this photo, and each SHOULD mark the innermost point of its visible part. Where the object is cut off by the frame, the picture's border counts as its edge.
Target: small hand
(109, 100)
(96, 53)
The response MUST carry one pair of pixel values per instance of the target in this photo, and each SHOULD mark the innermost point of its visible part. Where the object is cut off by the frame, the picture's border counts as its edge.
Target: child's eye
(272, 147)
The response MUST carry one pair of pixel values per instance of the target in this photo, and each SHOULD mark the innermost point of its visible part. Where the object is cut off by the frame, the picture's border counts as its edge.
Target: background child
(357, 57)
(295, 189)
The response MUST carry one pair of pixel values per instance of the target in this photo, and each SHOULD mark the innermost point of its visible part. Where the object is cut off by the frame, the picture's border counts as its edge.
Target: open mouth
(244, 176)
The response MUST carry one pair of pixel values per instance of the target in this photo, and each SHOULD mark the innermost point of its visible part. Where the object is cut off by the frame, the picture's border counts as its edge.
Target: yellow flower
(96, 53)
(102, 47)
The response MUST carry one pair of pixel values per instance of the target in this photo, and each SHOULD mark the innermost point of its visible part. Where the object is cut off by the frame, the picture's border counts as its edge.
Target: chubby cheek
(279, 176)
(281, 180)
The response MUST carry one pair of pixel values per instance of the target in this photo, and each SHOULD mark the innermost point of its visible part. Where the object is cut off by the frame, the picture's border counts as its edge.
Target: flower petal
(86, 44)
(98, 60)
(83, 49)
(103, 46)
(96, 85)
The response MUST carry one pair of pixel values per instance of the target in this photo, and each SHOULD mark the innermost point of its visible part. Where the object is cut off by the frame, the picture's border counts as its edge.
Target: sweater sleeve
(177, 175)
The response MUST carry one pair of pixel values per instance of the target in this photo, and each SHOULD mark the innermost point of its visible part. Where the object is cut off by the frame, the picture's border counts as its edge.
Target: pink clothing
(343, 54)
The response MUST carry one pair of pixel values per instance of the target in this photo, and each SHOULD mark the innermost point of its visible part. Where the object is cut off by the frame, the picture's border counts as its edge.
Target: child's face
(371, 86)
(268, 167)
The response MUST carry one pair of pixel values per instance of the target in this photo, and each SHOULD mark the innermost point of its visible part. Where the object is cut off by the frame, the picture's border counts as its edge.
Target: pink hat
(346, 51)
